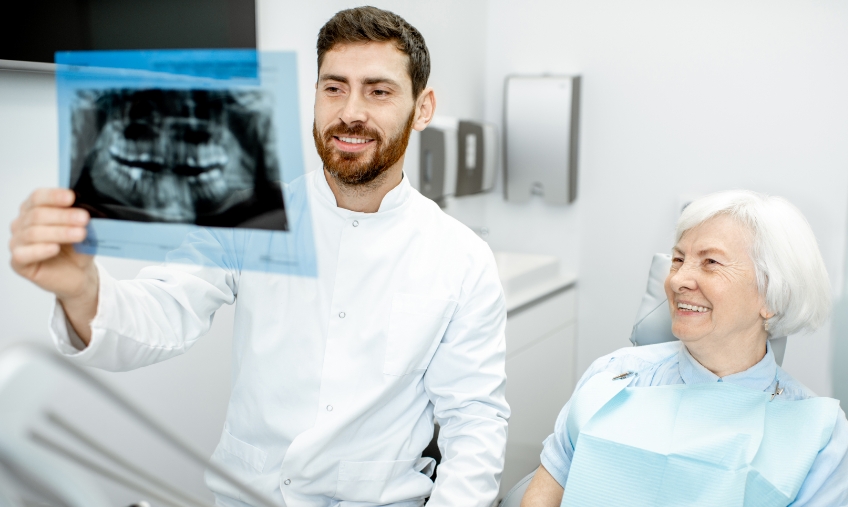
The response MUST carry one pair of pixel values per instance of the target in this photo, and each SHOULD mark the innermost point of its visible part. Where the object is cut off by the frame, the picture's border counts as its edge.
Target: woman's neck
(729, 355)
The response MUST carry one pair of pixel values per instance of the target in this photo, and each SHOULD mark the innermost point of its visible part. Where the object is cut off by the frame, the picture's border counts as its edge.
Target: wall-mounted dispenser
(438, 159)
(477, 157)
(452, 157)
(541, 120)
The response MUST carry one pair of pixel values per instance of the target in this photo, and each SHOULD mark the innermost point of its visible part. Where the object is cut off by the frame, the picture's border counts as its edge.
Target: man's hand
(42, 250)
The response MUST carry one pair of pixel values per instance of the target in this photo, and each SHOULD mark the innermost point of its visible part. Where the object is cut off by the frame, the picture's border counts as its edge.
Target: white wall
(682, 98)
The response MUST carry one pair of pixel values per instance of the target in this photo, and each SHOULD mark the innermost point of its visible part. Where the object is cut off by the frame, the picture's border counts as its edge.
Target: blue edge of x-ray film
(275, 73)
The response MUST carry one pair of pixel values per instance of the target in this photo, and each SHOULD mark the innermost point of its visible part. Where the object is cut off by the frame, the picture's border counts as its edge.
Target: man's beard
(353, 169)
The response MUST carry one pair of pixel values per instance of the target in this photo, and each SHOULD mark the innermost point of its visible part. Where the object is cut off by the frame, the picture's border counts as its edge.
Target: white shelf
(519, 300)
(530, 278)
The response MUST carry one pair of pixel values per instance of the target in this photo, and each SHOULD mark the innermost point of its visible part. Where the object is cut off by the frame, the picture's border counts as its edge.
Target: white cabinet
(540, 368)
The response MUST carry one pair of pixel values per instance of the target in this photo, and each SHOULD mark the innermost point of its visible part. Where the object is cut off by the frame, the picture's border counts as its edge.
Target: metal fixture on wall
(455, 158)
(438, 159)
(541, 124)
(477, 159)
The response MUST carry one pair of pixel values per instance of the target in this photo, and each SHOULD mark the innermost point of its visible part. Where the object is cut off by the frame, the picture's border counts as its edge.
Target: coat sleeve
(160, 313)
(466, 381)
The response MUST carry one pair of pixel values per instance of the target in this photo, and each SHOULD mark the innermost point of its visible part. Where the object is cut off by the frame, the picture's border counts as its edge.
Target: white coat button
(356, 223)
(287, 482)
(329, 408)
(341, 315)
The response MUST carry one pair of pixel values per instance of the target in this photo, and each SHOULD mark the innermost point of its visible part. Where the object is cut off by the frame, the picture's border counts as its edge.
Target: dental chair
(46, 459)
(653, 325)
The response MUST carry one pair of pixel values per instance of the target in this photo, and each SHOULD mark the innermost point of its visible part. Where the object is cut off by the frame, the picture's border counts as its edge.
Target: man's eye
(380, 93)
(711, 261)
(677, 259)
(332, 89)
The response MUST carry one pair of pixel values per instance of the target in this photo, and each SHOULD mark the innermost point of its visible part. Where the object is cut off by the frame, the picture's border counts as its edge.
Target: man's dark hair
(366, 24)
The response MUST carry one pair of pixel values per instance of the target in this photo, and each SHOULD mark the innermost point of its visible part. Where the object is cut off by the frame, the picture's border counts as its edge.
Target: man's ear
(425, 108)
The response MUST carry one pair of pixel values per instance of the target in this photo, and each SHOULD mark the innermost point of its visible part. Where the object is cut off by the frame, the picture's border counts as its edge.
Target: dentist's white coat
(336, 380)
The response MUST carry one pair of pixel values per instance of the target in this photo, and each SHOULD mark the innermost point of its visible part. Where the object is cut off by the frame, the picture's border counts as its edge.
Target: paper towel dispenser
(477, 157)
(541, 120)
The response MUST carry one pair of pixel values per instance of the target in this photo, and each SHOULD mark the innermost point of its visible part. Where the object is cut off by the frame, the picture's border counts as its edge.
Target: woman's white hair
(790, 271)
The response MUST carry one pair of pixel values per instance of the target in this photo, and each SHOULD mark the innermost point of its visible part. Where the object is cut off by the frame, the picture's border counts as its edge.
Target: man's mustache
(344, 130)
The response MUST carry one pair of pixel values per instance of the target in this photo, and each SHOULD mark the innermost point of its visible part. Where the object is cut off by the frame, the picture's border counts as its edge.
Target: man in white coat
(337, 379)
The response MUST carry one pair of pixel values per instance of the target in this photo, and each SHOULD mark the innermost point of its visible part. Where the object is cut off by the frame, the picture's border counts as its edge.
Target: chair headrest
(653, 322)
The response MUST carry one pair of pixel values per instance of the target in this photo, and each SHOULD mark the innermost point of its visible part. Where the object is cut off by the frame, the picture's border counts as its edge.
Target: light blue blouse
(670, 363)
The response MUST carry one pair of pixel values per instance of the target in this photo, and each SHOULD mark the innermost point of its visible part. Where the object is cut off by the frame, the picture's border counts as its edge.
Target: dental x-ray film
(188, 156)
(166, 147)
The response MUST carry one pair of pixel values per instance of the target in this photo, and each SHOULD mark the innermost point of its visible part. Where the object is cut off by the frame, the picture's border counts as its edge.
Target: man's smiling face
(364, 110)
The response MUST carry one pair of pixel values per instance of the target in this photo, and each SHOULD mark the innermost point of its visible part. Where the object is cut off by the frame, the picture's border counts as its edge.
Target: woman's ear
(765, 313)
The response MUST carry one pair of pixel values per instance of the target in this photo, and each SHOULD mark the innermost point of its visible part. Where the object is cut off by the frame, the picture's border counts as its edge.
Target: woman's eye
(677, 259)
(711, 261)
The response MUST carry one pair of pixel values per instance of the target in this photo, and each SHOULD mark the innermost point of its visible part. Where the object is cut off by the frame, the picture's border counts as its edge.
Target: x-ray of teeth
(188, 156)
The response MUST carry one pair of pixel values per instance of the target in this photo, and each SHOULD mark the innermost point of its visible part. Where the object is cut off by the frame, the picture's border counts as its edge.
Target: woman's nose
(683, 278)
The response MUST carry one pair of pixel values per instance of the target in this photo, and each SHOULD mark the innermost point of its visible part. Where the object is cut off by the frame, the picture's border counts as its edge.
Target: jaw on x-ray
(201, 156)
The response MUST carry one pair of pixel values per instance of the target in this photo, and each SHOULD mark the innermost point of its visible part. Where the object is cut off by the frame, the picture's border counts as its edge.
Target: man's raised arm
(42, 251)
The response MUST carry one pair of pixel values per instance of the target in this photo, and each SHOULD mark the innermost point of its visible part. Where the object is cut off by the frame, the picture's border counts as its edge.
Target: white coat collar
(396, 197)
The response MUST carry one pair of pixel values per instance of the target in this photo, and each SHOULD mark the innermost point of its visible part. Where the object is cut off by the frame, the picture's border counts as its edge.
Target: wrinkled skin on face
(177, 155)
(712, 286)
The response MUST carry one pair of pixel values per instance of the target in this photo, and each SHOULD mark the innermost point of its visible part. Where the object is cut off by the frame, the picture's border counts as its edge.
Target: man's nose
(354, 110)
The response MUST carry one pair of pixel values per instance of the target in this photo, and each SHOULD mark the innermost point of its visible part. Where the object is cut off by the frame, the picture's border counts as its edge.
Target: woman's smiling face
(712, 286)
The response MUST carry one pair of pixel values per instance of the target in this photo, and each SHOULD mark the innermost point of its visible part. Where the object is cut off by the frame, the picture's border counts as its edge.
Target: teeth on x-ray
(204, 157)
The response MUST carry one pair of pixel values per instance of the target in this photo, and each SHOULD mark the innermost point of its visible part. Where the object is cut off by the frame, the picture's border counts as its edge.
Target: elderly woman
(710, 420)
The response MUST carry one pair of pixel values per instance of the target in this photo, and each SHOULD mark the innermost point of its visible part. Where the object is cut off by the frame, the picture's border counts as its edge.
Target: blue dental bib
(702, 445)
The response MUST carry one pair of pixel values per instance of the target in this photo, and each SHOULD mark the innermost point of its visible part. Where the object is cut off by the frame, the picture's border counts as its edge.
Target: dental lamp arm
(20, 357)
